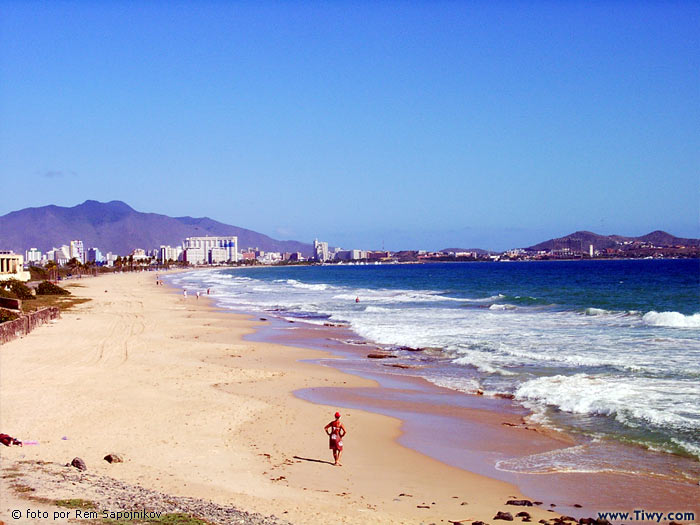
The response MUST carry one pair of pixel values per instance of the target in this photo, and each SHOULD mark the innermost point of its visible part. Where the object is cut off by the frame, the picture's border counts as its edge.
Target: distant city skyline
(395, 125)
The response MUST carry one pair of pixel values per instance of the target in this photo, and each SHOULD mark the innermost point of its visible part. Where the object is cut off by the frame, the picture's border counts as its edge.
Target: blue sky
(415, 125)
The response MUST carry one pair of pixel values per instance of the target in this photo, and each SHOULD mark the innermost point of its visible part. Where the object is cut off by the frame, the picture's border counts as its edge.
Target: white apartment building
(169, 253)
(77, 251)
(207, 244)
(32, 255)
(321, 251)
(12, 266)
(195, 256)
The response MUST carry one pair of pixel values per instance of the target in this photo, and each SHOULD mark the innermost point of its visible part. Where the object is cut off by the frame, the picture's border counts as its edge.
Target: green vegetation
(38, 274)
(48, 288)
(18, 289)
(63, 302)
(74, 503)
(7, 315)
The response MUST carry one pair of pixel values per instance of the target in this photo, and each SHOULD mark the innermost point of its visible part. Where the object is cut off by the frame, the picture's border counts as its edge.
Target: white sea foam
(672, 319)
(630, 400)
(640, 370)
(596, 311)
(501, 306)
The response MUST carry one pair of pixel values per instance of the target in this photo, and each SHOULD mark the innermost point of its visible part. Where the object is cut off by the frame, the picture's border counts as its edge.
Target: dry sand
(196, 411)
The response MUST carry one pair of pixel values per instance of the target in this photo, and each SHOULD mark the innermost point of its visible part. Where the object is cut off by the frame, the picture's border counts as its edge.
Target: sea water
(606, 349)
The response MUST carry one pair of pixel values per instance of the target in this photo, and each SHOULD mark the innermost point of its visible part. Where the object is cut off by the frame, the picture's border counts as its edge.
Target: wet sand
(476, 432)
(195, 410)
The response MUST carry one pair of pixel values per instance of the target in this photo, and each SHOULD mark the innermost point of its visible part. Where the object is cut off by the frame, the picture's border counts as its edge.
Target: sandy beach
(170, 384)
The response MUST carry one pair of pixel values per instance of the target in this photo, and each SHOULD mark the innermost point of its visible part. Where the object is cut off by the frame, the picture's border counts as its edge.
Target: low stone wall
(25, 324)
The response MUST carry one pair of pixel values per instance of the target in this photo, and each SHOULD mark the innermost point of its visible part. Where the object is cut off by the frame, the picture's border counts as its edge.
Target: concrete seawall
(28, 322)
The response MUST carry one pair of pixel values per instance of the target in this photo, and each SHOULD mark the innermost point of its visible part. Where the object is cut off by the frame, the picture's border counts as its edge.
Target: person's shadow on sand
(314, 460)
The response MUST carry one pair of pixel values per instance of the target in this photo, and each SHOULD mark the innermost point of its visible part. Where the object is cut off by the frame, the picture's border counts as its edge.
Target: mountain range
(116, 227)
(601, 242)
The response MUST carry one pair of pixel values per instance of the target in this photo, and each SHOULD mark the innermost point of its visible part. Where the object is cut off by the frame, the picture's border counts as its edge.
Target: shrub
(48, 288)
(18, 289)
(38, 273)
(6, 315)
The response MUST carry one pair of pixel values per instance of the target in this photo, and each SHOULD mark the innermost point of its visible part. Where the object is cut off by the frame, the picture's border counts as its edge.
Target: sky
(404, 125)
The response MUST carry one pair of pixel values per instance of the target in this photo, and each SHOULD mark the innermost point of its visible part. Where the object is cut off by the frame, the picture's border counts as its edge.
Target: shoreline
(597, 490)
(501, 423)
(197, 411)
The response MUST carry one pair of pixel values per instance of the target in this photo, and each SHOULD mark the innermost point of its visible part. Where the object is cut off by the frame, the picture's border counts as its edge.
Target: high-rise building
(206, 244)
(77, 251)
(32, 255)
(321, 251)
(95, 255)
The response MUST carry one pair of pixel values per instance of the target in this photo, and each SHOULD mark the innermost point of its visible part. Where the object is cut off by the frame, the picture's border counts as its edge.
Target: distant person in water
(357, 299)
(184, 293)
(336, 431)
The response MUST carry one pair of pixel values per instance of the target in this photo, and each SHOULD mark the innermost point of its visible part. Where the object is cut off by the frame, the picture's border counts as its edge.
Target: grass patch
(74, 503)
(165, 519)
(21, 489)
(63, 302)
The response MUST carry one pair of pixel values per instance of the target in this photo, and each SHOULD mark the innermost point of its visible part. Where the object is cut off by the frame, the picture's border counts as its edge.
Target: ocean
(606, 350)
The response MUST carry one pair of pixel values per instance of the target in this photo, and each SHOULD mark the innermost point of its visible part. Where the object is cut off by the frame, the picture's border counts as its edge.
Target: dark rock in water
(552, 505)
(586, 521)
(537, 503)
(523, 514)
(577, 505)
(519, 502)
(78, 463)
(410, 349)
(113, 458)
(399, 365)
(263, 318)
(380, 356)
(568, 518)
(479, 392)
(507, 516)
(479, 523)
(505, 396)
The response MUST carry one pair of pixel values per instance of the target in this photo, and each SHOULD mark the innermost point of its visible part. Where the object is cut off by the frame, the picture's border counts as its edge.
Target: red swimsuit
(335, 441)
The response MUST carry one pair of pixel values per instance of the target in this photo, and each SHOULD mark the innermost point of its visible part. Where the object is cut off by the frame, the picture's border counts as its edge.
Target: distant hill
(116, 227)
(601, 242)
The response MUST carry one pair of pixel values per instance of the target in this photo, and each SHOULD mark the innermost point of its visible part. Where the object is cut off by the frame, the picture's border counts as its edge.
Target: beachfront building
(194, 256)
(321, 251)
(32, 255)
(199, 248)
(12, 266)
(94, 255)
(76, 251)
(169, 253)
(349, 255)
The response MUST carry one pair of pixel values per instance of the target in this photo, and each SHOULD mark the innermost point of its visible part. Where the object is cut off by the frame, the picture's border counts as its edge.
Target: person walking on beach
(335, 431)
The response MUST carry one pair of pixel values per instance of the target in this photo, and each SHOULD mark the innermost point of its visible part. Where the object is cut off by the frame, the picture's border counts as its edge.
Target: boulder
(78, 463)
(523, 514)
(519, 502)
(113, 458)
(380, 356)
(507, 516)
